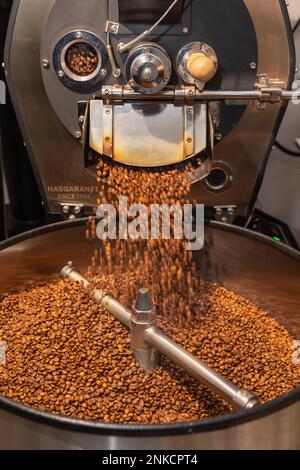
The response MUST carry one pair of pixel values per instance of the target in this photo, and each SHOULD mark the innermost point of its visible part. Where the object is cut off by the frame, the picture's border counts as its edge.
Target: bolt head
(103, 72)
(253, 66)
(45, 64)
(60, 73)
(119, 46)
(66, 209)
(117, 73)
(77, 135)
(185, 30)
(77, 210)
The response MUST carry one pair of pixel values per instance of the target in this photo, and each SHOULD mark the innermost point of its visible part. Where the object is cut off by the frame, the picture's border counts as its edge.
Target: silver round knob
(148, 68)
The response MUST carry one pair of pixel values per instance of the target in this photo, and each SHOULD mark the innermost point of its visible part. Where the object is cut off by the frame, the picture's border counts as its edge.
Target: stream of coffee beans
(164, 266)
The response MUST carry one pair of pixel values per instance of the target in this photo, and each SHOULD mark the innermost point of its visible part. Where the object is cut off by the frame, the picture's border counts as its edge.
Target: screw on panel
(45, 64)
(77, 210)
(66, 209)
(77, 135)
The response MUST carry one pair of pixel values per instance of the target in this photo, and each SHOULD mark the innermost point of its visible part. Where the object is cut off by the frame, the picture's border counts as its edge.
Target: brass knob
(201, 67)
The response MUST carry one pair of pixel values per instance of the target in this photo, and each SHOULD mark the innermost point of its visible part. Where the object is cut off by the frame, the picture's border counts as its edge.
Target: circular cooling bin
(252, 265)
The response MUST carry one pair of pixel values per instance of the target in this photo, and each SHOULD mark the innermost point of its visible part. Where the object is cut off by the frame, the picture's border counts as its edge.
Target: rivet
(45, 63)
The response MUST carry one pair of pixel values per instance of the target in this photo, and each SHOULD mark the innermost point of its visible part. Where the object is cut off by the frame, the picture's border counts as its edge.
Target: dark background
(25, 210)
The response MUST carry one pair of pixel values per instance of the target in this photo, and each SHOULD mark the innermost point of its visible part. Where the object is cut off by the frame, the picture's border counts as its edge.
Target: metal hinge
(119, 93)
(271, 90)
(225, 214)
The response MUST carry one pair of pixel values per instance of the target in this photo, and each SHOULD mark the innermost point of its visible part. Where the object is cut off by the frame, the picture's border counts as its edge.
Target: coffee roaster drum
(260, 269)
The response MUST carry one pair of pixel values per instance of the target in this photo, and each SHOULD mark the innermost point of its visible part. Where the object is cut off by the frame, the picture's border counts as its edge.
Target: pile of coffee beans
(81, 59)
(68, 356)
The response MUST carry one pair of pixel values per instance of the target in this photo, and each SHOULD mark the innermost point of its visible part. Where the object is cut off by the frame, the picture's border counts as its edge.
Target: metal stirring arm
(147, 340)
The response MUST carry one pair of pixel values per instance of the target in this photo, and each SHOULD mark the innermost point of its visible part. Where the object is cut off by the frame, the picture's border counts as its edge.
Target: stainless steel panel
(160, 127)
(244, 148)
(58, 156)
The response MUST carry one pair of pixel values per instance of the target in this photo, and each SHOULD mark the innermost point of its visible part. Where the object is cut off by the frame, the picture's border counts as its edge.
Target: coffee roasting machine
(209, 80)
(154, 83)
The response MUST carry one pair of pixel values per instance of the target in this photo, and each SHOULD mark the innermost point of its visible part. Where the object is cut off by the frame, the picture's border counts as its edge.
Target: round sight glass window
(81, 59)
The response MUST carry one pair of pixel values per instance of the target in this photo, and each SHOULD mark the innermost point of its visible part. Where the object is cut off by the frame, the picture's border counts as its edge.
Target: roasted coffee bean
(81, 59)
(77, 361)
(162, 265)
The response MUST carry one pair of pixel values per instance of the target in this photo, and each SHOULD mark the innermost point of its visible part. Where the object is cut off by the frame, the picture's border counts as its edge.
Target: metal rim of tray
(211, 424)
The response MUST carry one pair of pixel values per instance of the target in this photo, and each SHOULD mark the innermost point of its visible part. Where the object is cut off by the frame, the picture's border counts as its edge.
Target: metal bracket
(225, 214)
(189, 131)
(187, 95)
(112, 27)
(271, 90)
(112, 93)
(108, 116)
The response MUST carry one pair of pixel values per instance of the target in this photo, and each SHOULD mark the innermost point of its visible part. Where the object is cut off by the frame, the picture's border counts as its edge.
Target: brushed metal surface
(245, 147)
(270, 278)
(279, 431)
(58, 156)
(159, 126)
